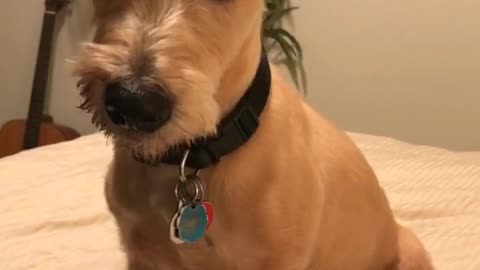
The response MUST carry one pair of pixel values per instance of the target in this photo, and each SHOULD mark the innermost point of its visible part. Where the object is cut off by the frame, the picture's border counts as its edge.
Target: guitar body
(13, 132)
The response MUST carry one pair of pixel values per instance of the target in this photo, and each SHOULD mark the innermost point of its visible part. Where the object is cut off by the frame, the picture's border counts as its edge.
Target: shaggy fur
(298, 195)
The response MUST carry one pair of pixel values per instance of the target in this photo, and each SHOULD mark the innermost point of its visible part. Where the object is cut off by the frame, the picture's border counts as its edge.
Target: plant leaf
(290, 52)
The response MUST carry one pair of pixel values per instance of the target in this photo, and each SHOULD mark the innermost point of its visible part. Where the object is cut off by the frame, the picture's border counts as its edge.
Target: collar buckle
(233, 132)
(246, 122)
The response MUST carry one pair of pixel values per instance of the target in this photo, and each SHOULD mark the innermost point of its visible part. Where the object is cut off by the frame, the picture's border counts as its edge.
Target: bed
(53, 214)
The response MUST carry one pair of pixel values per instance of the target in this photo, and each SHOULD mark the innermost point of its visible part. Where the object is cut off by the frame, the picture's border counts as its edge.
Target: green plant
(280, 42)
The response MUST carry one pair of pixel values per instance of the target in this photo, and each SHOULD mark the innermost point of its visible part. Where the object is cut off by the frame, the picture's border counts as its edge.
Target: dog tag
(210, 212)
(174, 235)
(191, 222)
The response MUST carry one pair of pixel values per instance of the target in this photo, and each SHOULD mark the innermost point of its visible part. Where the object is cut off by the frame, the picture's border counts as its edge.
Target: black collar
(235, 129)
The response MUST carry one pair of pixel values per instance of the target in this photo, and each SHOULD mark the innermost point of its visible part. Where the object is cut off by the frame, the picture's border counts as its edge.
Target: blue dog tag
(191, 222)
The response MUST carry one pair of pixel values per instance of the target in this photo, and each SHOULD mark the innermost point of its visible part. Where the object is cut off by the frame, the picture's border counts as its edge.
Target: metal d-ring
(182, 193)
(181, 190)
(183, 164)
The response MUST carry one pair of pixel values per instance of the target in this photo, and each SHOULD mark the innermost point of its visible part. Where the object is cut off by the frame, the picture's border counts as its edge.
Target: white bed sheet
(53, 214)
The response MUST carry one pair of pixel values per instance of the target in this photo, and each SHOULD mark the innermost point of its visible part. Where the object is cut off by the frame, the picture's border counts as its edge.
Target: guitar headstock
(56, 5)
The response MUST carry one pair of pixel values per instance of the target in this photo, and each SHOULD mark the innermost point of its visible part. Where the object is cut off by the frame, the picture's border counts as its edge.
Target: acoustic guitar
(38, 129)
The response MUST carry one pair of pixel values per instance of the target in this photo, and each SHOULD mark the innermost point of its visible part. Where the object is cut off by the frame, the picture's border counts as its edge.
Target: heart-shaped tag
(210, 212)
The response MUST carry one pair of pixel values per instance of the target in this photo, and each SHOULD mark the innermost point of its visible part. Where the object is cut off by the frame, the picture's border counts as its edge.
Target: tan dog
(297, 195)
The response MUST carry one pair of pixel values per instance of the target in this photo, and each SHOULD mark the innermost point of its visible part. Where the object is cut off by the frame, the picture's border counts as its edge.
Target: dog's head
(152, 75)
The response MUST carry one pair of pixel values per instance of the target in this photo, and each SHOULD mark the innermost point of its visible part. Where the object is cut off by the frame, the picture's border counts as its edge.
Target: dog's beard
(146, 148)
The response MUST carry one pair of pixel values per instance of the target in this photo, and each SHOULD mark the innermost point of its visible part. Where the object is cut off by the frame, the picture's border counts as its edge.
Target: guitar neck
(40, 81)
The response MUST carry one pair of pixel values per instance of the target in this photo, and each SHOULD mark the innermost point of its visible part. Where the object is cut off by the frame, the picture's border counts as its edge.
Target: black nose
(136, 109)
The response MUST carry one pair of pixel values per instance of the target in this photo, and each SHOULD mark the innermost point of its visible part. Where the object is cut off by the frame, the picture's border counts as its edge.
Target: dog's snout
(137, 109)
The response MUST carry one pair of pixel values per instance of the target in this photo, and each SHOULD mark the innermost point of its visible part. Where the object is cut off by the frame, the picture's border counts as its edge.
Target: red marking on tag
(210, 212)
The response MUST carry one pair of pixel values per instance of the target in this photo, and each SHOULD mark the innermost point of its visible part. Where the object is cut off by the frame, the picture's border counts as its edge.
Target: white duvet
(53, 215)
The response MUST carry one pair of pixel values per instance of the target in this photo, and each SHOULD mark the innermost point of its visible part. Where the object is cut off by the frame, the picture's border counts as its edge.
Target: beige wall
(405, 69)
(20, 26)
